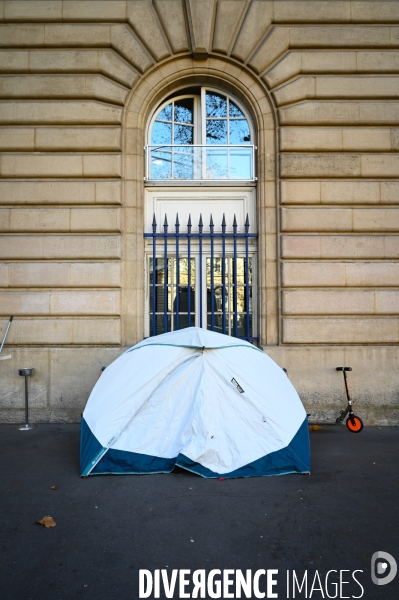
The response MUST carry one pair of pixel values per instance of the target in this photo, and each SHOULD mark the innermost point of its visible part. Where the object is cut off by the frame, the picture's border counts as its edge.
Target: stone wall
(78, 81)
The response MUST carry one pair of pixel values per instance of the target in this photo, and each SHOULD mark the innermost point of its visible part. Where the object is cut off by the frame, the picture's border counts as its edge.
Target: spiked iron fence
(232, 291)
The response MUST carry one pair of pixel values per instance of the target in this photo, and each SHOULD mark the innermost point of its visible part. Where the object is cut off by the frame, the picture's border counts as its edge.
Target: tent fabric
(209, 403)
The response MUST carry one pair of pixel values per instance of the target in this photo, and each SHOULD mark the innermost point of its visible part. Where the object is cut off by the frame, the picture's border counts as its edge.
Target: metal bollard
(26, 373)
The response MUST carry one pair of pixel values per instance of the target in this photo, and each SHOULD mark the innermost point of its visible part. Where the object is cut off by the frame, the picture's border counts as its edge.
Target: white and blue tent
(209, 403)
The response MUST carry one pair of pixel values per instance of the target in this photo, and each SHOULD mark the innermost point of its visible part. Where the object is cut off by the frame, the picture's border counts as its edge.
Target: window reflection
(184, 110)
(162, 133)
(183, 134)
(216, 105)
(177, 138)
(166, 113)
(216, 132)
(167, 287)
(239, 132)
(241, 295)
(234, 111)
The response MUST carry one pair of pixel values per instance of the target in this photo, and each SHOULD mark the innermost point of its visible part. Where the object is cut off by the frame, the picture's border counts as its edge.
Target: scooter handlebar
(343, 369)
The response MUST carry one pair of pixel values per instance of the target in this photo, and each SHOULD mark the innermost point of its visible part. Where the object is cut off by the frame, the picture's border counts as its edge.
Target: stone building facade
(80, 82)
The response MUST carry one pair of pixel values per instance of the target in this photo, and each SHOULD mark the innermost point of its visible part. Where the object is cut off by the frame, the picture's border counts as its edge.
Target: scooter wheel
(354, 424)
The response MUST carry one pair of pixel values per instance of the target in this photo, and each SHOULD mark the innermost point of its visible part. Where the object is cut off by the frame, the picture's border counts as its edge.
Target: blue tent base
(97, 460)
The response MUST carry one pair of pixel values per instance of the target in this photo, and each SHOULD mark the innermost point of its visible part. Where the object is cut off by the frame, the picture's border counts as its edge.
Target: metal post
(211, 227)
(246, 278)
(224, 274)
(235, 328)
(189, 270)
(165, 277)
(177, 227)
(26, 373)
(200, 227)
(154, 271)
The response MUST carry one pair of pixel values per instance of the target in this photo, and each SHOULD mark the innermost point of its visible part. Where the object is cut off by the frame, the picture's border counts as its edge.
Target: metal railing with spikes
(229, 245)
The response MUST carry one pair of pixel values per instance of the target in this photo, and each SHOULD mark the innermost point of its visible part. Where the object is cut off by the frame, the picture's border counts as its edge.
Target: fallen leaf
(54, 487)
(47, 522)
(314, 427)
(373, 463)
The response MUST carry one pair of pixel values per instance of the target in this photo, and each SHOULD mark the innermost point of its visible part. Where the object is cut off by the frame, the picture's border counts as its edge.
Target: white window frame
(200, 114)
(199, 137)
(238, 196)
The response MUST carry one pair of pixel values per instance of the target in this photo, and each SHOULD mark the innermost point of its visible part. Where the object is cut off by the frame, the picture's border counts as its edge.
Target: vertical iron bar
(177, 226)
(235, 327)
(189, 269)
(247, 332)
(165, 285)
(224, 274)
(200, 227)
(154, 270)
(211, 227)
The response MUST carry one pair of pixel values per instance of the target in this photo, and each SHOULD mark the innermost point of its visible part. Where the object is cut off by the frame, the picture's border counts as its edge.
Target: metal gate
(195, 276)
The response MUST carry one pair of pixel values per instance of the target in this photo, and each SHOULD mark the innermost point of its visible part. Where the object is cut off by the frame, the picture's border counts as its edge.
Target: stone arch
(163, 80)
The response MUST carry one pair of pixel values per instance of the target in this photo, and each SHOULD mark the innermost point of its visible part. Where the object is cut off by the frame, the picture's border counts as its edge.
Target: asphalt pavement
(108, 528)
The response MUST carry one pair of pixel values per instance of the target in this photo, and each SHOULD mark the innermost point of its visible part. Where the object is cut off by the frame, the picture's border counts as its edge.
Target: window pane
(216, 131)
(161, 133)
(240, 270)
(159, 299)
(159, 325)
(240, 298)
(241, 163)
(184, 321)
(216, 164)
(184, 111)
(183, 263)
(184, 134)
(217, 270)
(160, 165)
(166, 113)
(250, 271)
(183, 299)
(241, 325)
(239, 132)
(160, 271)
(183, 166)
(218, 323)
(241, 322)
(216, 105)
(234, 111)
(217, 299)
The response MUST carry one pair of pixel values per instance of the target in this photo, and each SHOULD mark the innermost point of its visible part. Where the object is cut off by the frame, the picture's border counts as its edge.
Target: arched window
(203, 135)
(200, 236)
